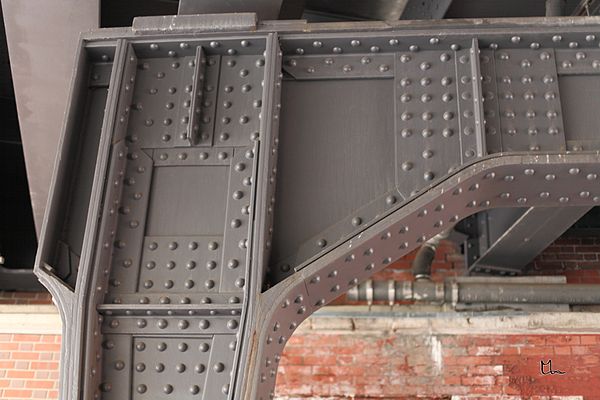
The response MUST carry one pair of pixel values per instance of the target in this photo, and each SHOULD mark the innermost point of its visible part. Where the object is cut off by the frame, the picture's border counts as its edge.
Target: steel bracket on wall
(505, 240)
(214, 188)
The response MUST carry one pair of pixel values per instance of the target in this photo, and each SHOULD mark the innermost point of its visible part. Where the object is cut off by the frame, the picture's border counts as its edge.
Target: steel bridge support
(219, 180)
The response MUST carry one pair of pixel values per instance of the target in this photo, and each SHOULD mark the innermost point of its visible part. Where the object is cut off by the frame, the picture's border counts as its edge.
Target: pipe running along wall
(455, 292)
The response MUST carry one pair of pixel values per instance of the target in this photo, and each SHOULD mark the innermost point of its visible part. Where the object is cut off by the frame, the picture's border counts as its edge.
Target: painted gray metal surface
(264, 9)
(31, 46)
(428, 9)
(211, 245)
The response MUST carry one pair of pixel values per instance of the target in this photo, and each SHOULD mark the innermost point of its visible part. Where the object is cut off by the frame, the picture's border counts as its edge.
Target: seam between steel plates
(260, 201)
(83, 288)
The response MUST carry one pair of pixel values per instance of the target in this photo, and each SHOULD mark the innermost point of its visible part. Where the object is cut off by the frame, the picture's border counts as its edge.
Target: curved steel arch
(481, 186)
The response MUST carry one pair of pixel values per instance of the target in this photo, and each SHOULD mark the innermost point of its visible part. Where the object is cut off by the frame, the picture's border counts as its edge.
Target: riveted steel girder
(215, 187)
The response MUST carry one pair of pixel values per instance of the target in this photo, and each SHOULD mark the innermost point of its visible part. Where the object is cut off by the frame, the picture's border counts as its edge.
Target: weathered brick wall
(25, 298)
(29, 366)
(391, 366)
(577, 258)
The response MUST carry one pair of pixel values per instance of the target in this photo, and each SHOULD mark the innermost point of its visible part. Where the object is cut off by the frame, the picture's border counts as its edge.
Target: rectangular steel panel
(427, 118)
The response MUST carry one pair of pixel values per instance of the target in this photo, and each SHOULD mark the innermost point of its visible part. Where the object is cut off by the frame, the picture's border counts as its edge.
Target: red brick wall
(577, 258)
(25, 298)
(390, 366)
(29, 366)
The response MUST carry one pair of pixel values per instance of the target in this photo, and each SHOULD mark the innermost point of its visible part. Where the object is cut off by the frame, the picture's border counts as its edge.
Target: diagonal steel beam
(506, 240)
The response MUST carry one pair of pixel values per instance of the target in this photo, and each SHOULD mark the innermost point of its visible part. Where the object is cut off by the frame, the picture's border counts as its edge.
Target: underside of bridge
(219, 179)
(222, 176)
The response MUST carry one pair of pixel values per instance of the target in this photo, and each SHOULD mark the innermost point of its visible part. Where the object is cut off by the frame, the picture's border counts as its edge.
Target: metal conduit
(472, 292)
(421, 266)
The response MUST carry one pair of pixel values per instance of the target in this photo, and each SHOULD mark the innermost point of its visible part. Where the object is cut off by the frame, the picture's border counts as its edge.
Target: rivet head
(447, 132)
(219, 367)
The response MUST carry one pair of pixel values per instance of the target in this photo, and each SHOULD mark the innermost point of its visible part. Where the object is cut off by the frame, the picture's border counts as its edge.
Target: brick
(478, 380)
(53, 347)
(40, 394)
(26, 338)
(17, 393)
(562, 339)
(562, 350)
(452, 380)
(484, 351)
(24, 295)
(514, 350)
(51, 365)
(9, 346)
(536, 340)
(6, 364)
(486, 370)
(40, 384)
(589, 339)
(25, 355)
(591, 359)
(581, 350)
(20, 374)
(538, 350)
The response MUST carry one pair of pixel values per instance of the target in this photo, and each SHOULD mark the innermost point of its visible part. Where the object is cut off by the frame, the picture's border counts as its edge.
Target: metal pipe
(555, 8)
(421, 266)
(475, 292)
